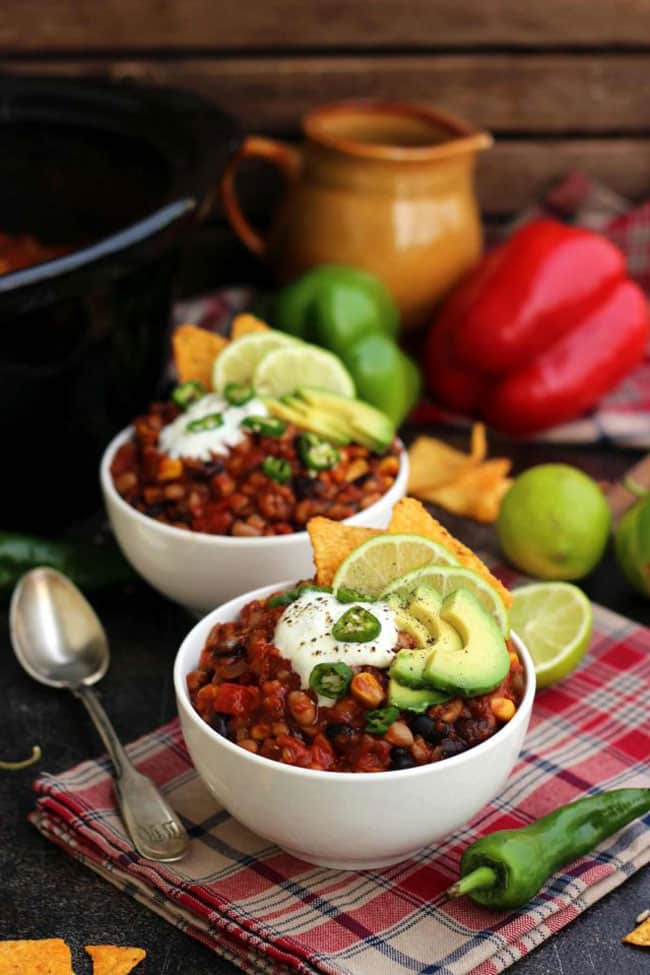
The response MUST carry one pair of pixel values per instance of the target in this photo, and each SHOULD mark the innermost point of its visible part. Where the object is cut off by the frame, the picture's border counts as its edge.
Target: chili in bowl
(286, 761)
(202, 526)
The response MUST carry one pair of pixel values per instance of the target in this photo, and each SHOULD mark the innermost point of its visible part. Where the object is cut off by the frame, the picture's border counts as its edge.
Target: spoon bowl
(59, 641)
(56, 634)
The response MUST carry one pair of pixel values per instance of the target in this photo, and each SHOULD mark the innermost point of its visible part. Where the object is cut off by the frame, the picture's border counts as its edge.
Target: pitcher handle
(287, 158)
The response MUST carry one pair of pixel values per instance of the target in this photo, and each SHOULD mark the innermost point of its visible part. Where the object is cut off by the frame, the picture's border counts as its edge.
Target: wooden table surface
(44, 893)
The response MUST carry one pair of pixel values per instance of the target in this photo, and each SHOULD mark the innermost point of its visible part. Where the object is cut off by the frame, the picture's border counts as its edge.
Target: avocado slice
(408, 666)
(481, 662)
(367, 425)
(411, 699)
(295, 411)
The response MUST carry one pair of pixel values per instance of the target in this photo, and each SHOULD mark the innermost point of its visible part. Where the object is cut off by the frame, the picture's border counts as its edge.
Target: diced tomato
(294, 752)
(236, 699)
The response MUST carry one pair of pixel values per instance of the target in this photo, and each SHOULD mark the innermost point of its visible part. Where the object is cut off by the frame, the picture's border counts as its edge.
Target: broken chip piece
(640, 936)
(195, 350)
(47, 956)
(114, 960)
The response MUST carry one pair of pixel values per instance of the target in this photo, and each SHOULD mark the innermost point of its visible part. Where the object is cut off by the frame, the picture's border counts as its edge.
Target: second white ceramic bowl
(344, 820)
(202, 571)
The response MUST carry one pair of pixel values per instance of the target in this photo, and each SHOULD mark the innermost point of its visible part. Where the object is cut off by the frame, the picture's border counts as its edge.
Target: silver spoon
(60, 642)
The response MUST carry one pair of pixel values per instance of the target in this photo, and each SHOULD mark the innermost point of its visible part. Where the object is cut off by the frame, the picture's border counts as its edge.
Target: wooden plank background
(562, 84)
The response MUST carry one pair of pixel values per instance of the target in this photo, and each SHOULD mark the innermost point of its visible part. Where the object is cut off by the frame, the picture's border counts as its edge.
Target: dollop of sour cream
(303, 635)
(177, 441)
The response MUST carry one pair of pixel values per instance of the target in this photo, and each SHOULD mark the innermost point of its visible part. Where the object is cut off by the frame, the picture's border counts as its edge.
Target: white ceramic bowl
(201, 571)
(344, 820)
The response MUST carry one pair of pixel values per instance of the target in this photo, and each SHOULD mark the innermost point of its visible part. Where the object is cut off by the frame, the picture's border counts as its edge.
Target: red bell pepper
(544, 326)
(236, 699)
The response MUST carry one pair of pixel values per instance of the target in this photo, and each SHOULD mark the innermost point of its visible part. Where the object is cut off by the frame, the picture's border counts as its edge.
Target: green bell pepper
(632, 543)
(334, 305)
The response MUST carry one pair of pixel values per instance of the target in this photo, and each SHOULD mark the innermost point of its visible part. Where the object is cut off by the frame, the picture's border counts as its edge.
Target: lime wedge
(554, 621)
(371, 566)
(300, 364)
(239, 360)
(446, 579)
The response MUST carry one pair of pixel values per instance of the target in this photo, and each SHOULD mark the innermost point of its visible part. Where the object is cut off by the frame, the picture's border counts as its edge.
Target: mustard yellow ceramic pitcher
(384, 186)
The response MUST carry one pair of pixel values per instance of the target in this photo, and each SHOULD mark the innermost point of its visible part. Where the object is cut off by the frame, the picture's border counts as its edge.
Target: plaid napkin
(268, 912)
(623, 416)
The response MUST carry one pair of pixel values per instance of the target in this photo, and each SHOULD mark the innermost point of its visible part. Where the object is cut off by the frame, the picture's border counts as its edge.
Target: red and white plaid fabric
(622, 417)
(268, 912)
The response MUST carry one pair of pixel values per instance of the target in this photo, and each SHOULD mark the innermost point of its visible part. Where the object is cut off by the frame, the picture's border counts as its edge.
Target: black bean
(401, 758)
(155, 509)
(306, 487)
(452, 746)
(338, 730)
(427, 729)
(213, 467)
(219, 723)
(228, 649)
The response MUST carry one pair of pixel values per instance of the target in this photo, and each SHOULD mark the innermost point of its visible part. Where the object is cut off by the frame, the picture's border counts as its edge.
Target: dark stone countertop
(44, 893)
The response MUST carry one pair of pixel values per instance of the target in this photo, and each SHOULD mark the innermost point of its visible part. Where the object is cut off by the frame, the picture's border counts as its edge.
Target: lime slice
(371, 566)
(554, 621)
(239, 360)
(445, 579)
(300, 364)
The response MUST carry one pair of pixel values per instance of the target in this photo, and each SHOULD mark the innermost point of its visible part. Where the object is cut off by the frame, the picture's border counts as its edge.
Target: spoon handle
(155, 829)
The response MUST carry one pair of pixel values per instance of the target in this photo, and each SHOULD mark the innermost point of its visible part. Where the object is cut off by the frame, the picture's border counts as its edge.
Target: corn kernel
(170, 469)
(502, 708)
(367, 690)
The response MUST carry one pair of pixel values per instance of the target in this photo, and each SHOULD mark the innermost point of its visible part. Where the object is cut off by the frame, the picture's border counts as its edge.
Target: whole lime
(554, 522)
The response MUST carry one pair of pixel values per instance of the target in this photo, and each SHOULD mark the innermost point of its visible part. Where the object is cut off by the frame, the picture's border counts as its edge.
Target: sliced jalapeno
(285, 598)
(315, 453)
(238, 393)
(209, 422)
(267, 426)
(345, 595)
(187, 393)
(357, 625)
(331, 680)
(277, 469)
(378, 722)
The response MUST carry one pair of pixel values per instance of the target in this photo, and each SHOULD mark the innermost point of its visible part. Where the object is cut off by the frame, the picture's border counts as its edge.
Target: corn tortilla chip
(245, 324)
(194, 351)
(433, 462)
(410, 517)
(332, 541)
(640, 936)
(49, 956)
(113, 960)
(475, 493)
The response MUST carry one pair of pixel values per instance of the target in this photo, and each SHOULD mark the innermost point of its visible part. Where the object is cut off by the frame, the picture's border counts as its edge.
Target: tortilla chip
(112, 960)
(640, 936)
(410, 517)
(478, 444)
(332, 541)
(49, 956)
(433, 462)
(194, 351)
(245, 324)
(476, 493)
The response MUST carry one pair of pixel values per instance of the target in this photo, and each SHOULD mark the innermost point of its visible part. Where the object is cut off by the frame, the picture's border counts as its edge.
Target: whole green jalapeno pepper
(507, 868)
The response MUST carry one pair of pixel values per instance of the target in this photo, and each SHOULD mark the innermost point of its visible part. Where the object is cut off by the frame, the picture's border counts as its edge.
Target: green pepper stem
(480, 878)
(26, 762)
